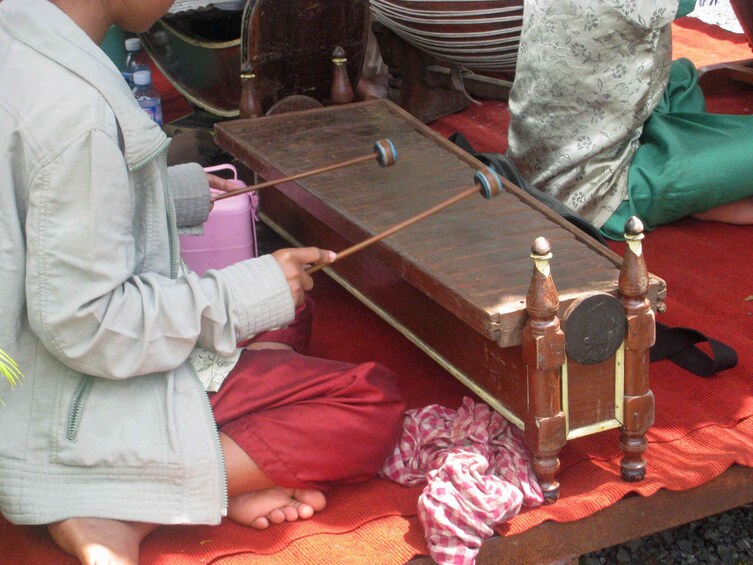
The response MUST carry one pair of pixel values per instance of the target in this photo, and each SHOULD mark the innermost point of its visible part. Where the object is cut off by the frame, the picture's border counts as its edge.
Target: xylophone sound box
(550, 328)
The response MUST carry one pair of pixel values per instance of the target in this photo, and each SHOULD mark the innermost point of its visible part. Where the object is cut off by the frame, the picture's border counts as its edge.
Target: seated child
(113, 431)
(601, 119)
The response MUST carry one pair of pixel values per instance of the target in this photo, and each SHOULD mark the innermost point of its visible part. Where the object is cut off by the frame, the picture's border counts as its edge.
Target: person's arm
(190, 189)
(85, 302)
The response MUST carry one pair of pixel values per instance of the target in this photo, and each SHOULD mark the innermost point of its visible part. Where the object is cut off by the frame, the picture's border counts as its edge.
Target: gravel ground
(725, 538)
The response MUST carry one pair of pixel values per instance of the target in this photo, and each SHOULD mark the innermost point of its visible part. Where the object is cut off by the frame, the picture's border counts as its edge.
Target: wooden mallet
(384, 153)
(487, 182)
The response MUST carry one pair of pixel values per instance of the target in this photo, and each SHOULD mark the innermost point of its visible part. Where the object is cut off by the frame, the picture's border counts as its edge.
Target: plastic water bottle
(135, 59)
(147, 96)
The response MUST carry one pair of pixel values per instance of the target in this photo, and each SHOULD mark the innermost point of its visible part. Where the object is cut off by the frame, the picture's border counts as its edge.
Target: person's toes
(292, 512)
(261, 523)
(278, 516)
(313, 498)
(305, 511)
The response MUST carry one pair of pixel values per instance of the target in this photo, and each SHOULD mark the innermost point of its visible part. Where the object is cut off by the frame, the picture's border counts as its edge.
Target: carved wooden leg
(408, 65)
(341, 91)
(249, 106)
(641, 333)
(544, 353)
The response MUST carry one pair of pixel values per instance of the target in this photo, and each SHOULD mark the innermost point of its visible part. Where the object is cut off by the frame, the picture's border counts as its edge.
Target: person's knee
(390, 408)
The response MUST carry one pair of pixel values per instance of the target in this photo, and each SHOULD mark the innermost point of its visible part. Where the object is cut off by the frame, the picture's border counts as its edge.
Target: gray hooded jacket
(110, 420)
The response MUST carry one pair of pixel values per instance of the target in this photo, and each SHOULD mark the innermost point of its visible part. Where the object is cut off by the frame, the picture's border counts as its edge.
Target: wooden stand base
(425, 86)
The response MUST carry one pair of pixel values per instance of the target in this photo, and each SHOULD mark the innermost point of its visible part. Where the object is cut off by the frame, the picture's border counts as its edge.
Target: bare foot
(97, 541)
(275, 506)
(738, 213)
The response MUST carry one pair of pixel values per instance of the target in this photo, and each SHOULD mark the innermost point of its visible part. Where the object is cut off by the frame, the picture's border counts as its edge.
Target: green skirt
(689, 161)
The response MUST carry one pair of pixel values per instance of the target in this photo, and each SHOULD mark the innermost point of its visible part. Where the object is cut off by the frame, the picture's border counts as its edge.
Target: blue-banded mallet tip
(386, 152)
(488, 181)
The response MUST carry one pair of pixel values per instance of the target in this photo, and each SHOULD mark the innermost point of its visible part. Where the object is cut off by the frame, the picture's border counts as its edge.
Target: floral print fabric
(589, 74)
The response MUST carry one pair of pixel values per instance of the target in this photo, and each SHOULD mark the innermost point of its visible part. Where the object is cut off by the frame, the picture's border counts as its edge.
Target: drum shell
(475, 35)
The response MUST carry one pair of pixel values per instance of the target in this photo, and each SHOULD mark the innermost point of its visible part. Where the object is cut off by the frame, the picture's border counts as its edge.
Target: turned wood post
(544, 353)
(249, 104)
(640, 336)
(342, 90)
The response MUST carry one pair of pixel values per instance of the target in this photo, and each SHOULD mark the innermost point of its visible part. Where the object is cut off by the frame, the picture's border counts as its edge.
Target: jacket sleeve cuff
(261, 298)
(190, 194)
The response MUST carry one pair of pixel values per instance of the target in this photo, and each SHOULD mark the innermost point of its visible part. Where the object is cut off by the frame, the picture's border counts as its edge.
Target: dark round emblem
(594, 328)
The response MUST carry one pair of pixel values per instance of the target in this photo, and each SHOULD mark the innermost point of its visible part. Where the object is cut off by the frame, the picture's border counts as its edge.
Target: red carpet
(702, 425)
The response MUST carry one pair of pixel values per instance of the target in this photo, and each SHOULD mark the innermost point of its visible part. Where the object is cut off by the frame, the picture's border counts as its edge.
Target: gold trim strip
(619, 383)
(593, 428)
(619, 397)
(565, 396)
(193, 41)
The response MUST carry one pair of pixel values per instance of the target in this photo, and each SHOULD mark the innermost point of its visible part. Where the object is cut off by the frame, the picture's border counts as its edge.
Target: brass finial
(338, 55)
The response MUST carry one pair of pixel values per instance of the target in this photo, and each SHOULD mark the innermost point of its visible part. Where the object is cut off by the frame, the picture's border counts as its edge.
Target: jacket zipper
(218, 443)
(174, 270)
(171, 218)
(77, 406)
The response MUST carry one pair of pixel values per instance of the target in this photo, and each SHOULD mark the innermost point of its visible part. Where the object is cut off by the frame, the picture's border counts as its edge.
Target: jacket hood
(46, 29)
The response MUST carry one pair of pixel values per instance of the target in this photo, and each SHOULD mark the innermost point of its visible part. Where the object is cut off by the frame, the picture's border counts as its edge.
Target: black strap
(505, 167)
(679, 346)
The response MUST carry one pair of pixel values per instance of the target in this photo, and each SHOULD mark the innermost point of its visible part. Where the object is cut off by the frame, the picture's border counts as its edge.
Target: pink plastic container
(229, 233)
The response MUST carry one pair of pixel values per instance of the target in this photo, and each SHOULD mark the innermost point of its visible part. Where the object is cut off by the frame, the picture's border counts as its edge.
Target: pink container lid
(229, 233)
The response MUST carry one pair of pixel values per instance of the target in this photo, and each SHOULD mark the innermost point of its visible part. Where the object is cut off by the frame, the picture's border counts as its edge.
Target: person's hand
(219, 183)
(293, 263)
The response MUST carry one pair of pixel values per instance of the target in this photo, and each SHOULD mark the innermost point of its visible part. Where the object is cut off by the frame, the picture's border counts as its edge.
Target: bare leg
(98, 541)
(738, 213)
(255, 500)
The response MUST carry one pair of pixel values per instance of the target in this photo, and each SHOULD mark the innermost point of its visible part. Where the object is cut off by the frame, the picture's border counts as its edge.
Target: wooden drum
(287, 47)
(477, 35)
(199, 53)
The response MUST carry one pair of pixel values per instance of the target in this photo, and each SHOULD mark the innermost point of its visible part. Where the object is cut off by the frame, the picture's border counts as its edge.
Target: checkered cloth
(477, 472)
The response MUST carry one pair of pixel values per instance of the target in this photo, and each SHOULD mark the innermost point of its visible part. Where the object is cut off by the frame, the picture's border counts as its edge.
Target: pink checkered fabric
(477, 471)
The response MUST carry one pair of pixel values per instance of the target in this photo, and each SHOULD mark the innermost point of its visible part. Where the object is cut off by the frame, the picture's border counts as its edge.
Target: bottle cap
(132, 44)
(142, 78)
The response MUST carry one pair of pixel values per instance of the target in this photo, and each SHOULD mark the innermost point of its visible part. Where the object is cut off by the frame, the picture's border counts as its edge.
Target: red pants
(309, 422)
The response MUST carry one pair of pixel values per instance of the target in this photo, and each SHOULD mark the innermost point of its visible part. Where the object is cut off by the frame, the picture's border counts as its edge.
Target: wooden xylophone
(558, 361)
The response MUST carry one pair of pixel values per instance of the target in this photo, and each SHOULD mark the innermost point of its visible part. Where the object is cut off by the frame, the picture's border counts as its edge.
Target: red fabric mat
(702, 425)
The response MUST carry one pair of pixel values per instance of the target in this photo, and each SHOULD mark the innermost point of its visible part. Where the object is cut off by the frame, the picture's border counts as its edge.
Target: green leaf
(10, 370)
